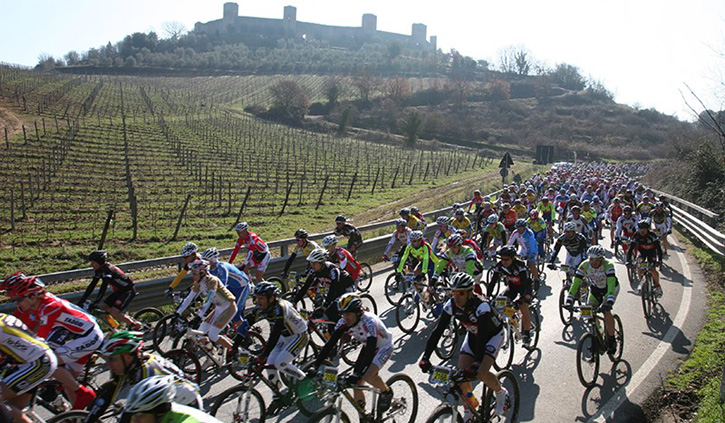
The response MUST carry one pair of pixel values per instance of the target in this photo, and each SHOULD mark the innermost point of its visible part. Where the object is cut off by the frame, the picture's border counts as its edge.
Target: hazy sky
(642, 50)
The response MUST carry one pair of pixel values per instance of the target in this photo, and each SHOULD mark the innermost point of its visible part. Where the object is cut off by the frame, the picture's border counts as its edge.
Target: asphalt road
(550, 388)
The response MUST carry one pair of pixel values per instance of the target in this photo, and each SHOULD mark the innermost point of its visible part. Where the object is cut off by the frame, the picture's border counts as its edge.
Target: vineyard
(159, 151)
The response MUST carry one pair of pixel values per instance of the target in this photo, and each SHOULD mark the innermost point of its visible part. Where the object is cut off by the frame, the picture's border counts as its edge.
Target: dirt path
(9, 120)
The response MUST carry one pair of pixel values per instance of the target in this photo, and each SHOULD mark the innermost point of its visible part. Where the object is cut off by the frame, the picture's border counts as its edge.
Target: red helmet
(11, 280)
(26, 286)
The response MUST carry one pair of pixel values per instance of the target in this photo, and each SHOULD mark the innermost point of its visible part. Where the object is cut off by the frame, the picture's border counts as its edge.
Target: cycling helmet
(442, 220)
(11, 280)
(241, 226)
(267, 289)
(476, 192)
(340, 218)
(198, 266)
(492, 219)
(329, 240)
(586, 203)
(350, 302)
(627, 209)
(317, 255)
(576, 208)
(595, 251)
(569, 226)
(153, 394)
(124, 342)
(595, 199)
(506, 205)
(460, 212)
(517, 201)
(189, 249)
(461, 281)
(486, 198)
(544, 199)
(455, 239)
(574, 197)
(26, 286)
(534, 214)
(416, 236)
(98, 256)
(520, 223)
(404, 212)
(301, 234)
(659, 204)
(414, 210)
(507, 251)
(210, 253)
(456, 206)
(401, 222)
(644, 223)
(616, 200)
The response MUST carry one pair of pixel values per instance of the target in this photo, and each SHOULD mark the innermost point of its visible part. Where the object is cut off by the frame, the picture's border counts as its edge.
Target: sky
(644, 51)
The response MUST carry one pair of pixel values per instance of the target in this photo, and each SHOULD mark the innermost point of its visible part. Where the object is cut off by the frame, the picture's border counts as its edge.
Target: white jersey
(368, 326)
(16, 341)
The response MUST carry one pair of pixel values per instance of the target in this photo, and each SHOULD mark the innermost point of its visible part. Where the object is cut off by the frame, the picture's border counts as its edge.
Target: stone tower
(419, 33)
(290, 14)
(369, 24)
(231, 12)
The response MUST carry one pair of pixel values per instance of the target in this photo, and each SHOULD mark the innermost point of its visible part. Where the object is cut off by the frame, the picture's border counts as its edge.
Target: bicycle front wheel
(394, 289)
(365, 279)
(404, 407)
(407, 313)
(505, 356)
(148, 317)
(619, 338)
(239, 405)
(535, 327)
(587, 360)
(165, 331)
(645, 294)
(73, 416)
(279, 282)
(329, 415)
(187, 362)
(369, 303)
(565, 314)
(511, 406)
(443, 414)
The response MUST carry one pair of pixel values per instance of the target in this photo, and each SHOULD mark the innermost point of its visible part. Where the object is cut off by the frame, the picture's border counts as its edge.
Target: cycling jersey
(400, 236)
(627, 226)
(328, 284)
(477, 202)
(520, 210)
(505, 198)
(527, 242)
(644, 209)
(108, 274)
(575, 246)
(424, 255)
(602, 280)
(648, 246)
(508, 219)
(615, 212)
(441, 235)
(517, 279)
(344, 260)
(581, 225)
(659, 218)
(420, 217)
(257, 248)
(414, 223)
(464, 261)
(468, 242)
(536, 225)
(496, 232)
(589, 216)
(304, 250)
(348, 230)
(230, 276)
(183, 414)
(561, 201)
(17, 342)
(464, 223)
(546, 211)
(284, 319)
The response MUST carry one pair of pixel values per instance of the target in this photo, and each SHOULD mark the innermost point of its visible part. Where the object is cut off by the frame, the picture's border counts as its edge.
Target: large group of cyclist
(477, 273)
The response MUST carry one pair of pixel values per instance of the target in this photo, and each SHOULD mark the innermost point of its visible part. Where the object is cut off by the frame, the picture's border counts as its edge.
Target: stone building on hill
(265, 31)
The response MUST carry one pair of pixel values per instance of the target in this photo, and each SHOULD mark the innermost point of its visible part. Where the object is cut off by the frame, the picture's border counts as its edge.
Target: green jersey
(183, 414)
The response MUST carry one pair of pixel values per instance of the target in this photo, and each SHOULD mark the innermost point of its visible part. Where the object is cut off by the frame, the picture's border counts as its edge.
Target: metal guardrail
(713, 239)
(705, 215)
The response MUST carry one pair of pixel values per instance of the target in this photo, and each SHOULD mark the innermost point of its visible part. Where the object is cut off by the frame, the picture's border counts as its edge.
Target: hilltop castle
(265, 31)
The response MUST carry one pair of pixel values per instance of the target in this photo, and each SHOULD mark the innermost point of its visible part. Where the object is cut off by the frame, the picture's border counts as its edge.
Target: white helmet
(241, 226)
(329, 240)
(442, 220)
(189, 249)
(198, 266)
(317, 255)
(150, 393)
(210, 254)
(569, 226)
(415, 236)
(595, 251)
(492, 219)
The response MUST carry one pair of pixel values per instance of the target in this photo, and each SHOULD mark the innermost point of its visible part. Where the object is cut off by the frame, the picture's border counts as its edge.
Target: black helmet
(266, 288)
(644, 223)
(340, 218)
(507, 251)
(301, 233)
(350, 302)
(98, 256)
(462, 282)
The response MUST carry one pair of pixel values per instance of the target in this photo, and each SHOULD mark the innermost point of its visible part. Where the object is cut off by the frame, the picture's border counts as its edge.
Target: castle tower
(419, 33)
(369, 24)
(231, 12)
(434, 42)
(290, 14)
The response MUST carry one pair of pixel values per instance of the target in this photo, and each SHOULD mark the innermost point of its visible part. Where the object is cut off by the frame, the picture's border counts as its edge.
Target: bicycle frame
(333, 389)
(451, 388)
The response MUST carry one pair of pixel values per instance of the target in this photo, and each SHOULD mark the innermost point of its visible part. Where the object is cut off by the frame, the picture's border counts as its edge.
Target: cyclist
(484, 337)
(341, 257)
(189, 253)
(494, 231)
(328, 282)
(258, 254)
(668, 209)
(520, 209)
(519, 287)
(581, 224)
(604, 288)
(287, 338)
(130, 366)
(443, 232)
(425, 259)
(614, 212)
(236, 281)
(401, 234)
(461, 259)
(505, 197)
(590, 217)
(476, 202)
(460, 221)
(69, 331)
(660, 218)
(648, 246)
(153, 400)
(33, 361)
(467, 241)
(304, 247)
(626, 226)
(344, 228)
(644, 208)
(507, 217)
(526, 239)
(538, 227)
(414, 211)
(377, 348)
(561, 201)
(121, 284)
(412, 221)
(216, 294)
(547, 212)
(575, 245)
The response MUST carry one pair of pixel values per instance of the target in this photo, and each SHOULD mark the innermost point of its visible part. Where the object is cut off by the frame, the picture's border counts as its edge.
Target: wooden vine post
(324, 187)
(181, 217)
(106, 226)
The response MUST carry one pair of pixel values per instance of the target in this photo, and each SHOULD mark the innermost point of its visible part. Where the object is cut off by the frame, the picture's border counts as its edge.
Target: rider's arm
(427, 253)
(555, 251)
(104, 398)
(330, 344)
(178, 278)
(471, 264)
(237, 246)
(302, 292)
(575, 283)
(443, 320)
(390, 244)
(366, 356)
(403, 259)
(288, 264)
(630, 250)
(188, 300)
(442, 263)
(89, 290)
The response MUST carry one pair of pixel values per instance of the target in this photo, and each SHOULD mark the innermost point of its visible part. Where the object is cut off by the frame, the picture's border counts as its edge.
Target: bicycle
(646, 288)
(408, 308)
(447, 380)
(365, 279)
(395, 287)
(319, 333)
(566, 314)
(403, 408)
(147, 316)
(511, 315)
(593, 344)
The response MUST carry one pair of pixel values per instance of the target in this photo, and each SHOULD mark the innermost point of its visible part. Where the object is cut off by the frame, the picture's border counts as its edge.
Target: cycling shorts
(120, 299)
(573, 261)
(73, 351)
(596, 295)
(221, 316)
(258, 260)
(492, 346)
(520, 293)
(28, 375)
(382, 355)
(661, 228)
(651, 257)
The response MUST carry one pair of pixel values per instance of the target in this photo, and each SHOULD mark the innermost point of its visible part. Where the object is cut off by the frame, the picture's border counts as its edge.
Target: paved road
(550, 389)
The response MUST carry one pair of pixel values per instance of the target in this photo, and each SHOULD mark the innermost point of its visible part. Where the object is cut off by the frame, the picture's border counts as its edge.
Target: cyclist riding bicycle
(538, 226)
(614, 212)
(287, 339)
(258, 253)
(189, 254)
(153, 401)
(121, 284)
(414, 211)
(508, 217)
(425, 260)
(582, 226)
(494, 231)
(412, 221)
(547, 212)
(341, 257)
(401, 234)
(216, 294)
(328, 282)
(69, 331)
(575, 245)
(604, 288)
(648, 246)
(519, 286)
(461, 259)
(524, 237)
(626, 225)
(236, 281)
(377, 341)
(304, 247)
(660, 219)
(32, 362)
(467, 241)
(460, 221)
(484, 337)
(130, 366)
(476, 202)
(344, 228)
(444, 230)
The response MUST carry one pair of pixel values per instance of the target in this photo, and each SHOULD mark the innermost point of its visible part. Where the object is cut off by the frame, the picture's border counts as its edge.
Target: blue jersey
(234, 279)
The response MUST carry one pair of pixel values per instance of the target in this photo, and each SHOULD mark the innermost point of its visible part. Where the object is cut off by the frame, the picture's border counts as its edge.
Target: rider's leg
(487, 376)
(525, 316)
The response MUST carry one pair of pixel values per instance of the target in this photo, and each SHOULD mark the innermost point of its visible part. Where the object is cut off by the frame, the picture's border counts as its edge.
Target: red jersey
(54, 313)
(253, 243)
(347, 262)
(474, 246)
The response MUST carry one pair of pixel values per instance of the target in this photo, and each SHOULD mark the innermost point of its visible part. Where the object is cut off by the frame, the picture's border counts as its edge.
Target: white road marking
(643, 372)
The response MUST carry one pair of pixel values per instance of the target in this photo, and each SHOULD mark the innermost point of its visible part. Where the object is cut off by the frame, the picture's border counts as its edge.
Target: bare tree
(333, 88)
(366, 84)
(290, 100)
(397, 89)
(174, 29)
(515, 59)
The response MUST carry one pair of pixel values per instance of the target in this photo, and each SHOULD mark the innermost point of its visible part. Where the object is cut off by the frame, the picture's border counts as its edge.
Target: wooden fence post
(12, 210)
(241, 209)
(324, 187)
(286, 197)
(25, 136)
(349, 193)
(7, 143)
(375, 182)
(107, 225)
(181, 217)
(395, 177)
(410, 181)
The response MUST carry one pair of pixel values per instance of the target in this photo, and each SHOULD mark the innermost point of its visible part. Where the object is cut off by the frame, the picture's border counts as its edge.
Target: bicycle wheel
(239, 405)
(369, 303)
(407, 313)
(565, 314)
(329, 415)
(587, 360)
(365, 279)
(511, 407)
(254, 344)
(312, 397)
(148, 317)
(506, 353)
(73, 416)
(443, 414)
(165, 331)
(187, 362)
(535, 327)
(495, 290)
(279, 282)
(394, 289)
(645, 294)
(449, 341)
(404, 407)
(619, 338)
(347, 350)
